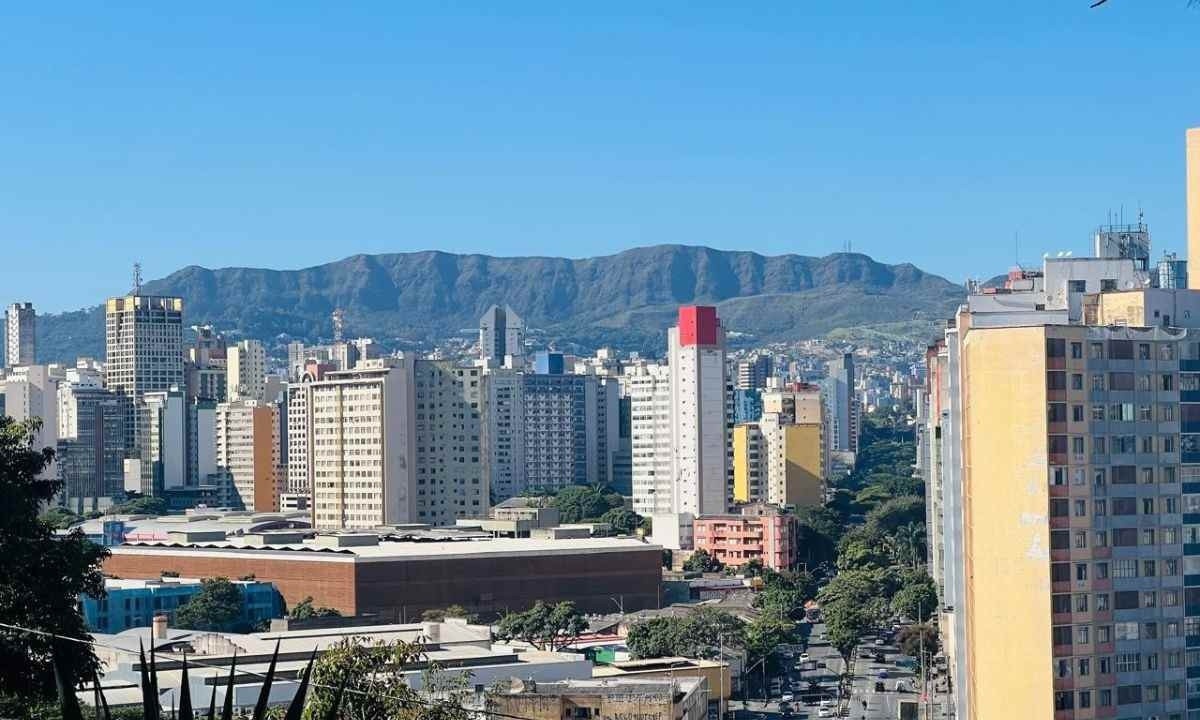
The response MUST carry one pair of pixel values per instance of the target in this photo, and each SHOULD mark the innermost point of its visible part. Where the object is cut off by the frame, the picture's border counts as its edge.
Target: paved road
(879, 705)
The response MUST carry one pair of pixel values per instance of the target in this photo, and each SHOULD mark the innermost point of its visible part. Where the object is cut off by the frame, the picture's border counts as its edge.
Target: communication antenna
(137, 278)
(339, 324)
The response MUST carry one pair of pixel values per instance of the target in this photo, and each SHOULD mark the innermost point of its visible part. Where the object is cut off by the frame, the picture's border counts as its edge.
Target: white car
(825, 712)
(786, 697)
(804, 657)
(826, 703)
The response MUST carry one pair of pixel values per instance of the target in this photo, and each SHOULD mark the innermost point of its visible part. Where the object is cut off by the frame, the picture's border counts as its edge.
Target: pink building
(760, 533)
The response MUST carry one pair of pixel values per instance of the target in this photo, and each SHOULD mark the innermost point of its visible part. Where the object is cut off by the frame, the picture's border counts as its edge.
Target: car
(803, 657)
(826, 703)
(882, 674)
(880, 641)
(879, 686)
(900, 686)
(786, 698)
(825, 712)
(879, 657)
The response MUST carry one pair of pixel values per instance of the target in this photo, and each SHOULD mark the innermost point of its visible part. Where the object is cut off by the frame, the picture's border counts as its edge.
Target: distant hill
(627, 299)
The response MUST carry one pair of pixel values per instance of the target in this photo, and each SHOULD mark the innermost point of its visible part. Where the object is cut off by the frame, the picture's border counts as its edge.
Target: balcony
(1067, 683)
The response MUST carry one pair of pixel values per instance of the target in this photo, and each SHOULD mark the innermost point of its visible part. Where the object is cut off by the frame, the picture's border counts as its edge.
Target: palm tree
(908, 543)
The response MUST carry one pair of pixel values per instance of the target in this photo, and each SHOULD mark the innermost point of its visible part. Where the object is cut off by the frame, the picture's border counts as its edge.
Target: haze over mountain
(627, 300)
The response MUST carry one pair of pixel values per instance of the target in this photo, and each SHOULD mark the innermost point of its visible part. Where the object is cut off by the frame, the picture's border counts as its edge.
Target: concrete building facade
(247, 450)
(143, 338)
(20, 335)
(761, 532)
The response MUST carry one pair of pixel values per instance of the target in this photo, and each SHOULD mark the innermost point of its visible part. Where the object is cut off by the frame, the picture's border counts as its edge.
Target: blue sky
(290, 134)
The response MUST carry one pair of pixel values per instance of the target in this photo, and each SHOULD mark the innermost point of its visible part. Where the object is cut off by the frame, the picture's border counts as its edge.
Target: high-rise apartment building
(143, 337)
(450, 478)
(843, 405)
(205, 367)
(749, 463)
(793, 428)
(753, 372)
(163, 441)
(31, 391)
(91, 443)
(697, 364)
(501, 335)
(504, 433)
(20, 335)
(362, 444)
(1060, 447)
(246, 368)
(648, 387)
(247, 449)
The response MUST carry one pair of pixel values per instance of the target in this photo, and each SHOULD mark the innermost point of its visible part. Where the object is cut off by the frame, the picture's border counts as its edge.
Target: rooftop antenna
(137, 278)
(339, 324)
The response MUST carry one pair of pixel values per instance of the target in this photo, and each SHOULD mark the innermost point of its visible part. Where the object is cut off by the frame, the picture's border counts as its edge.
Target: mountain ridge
(627, 298)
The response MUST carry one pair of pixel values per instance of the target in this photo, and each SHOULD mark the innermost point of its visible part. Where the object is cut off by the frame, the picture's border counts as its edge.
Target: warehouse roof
(320, 549)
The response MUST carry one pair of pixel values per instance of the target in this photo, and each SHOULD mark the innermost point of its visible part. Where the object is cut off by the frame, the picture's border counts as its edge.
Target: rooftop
(398, 549)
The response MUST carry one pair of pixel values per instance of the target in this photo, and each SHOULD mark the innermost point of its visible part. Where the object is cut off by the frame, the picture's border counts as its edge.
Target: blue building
(747, 405)
(134, 603)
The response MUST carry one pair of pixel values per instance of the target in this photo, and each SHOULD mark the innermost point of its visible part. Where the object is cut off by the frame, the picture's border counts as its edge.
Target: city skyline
(747, 135)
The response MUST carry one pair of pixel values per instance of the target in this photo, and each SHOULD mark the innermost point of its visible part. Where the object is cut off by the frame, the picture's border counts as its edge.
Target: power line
(403, 700)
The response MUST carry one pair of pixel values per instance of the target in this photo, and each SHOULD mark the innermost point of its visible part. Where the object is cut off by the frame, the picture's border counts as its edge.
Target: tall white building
(362, 452)
(842, 405)
(501, 335)
(163, 441)
(245, 370)
(143, 338)
(504, 432)
(648, 388)
(31, 391)
(450, 478)
(20, 326)
(697, 361)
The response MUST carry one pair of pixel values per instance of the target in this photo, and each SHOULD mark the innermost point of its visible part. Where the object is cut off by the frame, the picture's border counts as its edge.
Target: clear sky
(289, 134)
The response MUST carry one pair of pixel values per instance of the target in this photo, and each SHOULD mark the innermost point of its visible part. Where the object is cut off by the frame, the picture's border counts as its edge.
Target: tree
(862, 547)
(623, 520)
(907, 544)
(545, 627)
(749, 569)
(60, 518)
(304, 610)
(765, 635)
(845, 625)
(701, 561)
(896, 513)
(917, 598)
(42, 575)
(698, 634)
(913, 638)
(453, 611)
(218, 606)
(140, 506)
(375, 687)
(577, 503)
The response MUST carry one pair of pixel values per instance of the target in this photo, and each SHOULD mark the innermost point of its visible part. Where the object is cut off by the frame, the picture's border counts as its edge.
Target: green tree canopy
(140, 506)
(373, 688)
(60, 518)
(545, 627)
(218, 606)
(42, 575)
(305, 609)
(623, 520)
(698, 634)
(577, 503)
(895, 513)
(917, 598)
(453, 611)
(912, 638)
(701, 561)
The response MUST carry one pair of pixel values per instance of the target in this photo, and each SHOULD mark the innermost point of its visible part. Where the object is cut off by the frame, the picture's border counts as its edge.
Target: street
(879, 705)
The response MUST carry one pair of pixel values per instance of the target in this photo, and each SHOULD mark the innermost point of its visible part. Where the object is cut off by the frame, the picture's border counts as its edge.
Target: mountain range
(626, 300)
